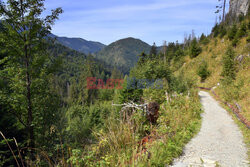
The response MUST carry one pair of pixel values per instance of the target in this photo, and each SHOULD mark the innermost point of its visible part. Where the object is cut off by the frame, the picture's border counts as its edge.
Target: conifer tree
(229, 68)
(153, 51)
(195, 49)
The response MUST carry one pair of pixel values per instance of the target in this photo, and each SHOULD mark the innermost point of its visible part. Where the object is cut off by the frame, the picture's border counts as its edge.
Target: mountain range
(80, 45)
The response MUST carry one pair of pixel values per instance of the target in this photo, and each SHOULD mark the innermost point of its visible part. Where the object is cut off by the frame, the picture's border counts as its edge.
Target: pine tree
(203, 37)
(229, 68)
(195, 49)
(153, 51)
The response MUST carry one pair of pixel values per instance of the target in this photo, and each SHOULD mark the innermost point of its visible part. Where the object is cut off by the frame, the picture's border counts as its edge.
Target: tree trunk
(224, 10)
(30, 128)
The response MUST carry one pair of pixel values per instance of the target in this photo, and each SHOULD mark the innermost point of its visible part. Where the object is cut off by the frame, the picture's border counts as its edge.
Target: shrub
(235, 42)
(232, 32)
(241, 17)
(215, 42)
(242, 31)
(203, 71)
(248, 38)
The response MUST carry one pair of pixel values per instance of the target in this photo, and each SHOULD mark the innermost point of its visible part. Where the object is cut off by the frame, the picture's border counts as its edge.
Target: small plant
(203, 71)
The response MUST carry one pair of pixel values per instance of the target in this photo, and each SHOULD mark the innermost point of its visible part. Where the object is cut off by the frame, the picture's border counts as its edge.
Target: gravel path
(219, 141)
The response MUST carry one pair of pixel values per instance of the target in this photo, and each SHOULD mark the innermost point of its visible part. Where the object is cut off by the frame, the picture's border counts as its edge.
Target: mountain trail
(219, 142)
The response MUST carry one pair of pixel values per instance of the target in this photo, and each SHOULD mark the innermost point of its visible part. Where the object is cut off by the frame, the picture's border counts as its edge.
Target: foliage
(229, 67)
(219, 30)
(242, 30)
(195, 49)
(203, 71)
(178, 122)
(215, 30)
(203, 39)
(27, 68)
(231, 90)
(153, 51)
(223, 31)
(232, 32)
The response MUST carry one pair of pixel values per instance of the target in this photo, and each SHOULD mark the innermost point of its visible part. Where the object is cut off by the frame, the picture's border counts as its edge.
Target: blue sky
(149, 20)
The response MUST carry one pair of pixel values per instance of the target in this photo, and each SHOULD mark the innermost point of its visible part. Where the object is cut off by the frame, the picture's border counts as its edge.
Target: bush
(241, 17)
(203, 71)
(248, 38)
(235, 42)
(242, 31)
(232, 32)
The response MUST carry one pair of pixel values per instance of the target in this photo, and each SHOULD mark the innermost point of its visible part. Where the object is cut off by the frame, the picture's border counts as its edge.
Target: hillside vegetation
(58, 120)
(214, 52)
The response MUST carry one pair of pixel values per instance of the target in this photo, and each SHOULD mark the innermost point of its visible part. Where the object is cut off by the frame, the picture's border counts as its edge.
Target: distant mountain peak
(80, 45)
(123, 53)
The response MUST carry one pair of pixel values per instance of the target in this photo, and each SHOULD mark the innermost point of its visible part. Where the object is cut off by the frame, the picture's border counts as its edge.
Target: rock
(239, 58)
(238, 7)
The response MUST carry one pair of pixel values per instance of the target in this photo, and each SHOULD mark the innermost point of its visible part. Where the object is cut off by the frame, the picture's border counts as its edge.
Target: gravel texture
(219, 141)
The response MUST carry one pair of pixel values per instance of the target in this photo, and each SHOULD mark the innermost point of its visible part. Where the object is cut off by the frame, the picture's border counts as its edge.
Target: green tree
(27, 66)
(229, 68)
(215, 30)
(203, 37)
(195, 49)
(153, 51)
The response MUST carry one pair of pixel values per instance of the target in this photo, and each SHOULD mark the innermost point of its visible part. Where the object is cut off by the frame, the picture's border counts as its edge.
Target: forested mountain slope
(123, 53)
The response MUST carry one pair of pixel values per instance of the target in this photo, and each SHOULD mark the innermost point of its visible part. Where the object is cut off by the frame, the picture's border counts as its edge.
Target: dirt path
(218, 142)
